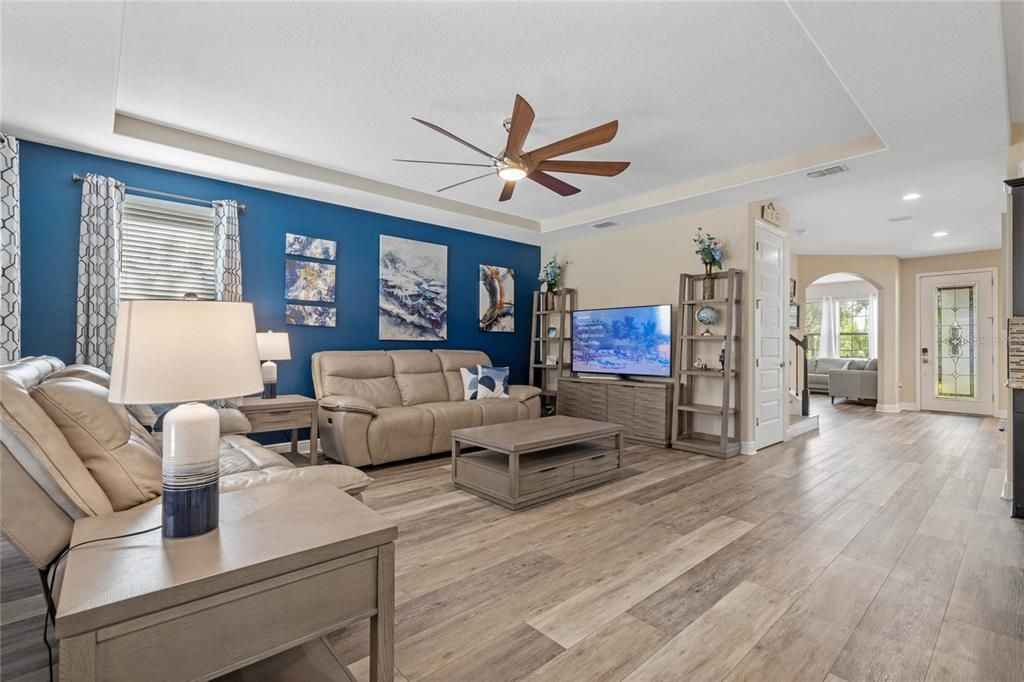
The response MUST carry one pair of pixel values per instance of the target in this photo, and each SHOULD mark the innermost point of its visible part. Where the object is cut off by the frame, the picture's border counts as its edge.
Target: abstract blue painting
(310, 247)
(497, 299)
(310, 315)
(413, 302)
(304, 281)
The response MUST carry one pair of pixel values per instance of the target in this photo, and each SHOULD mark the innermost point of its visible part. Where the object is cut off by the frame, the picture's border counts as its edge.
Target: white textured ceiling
(718, 103)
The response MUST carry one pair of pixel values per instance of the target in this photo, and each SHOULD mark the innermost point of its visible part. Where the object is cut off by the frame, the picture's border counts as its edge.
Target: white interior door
(957, 354)
(770, 336)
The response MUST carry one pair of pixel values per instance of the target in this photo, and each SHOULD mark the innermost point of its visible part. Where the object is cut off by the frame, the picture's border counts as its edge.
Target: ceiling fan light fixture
(511, 173)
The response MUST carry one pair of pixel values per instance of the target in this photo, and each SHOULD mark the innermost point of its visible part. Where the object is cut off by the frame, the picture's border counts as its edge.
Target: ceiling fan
(513, 164)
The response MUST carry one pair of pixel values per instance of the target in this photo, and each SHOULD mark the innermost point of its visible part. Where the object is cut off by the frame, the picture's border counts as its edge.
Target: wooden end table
(289, 564)
(284, 412)
(532, 461)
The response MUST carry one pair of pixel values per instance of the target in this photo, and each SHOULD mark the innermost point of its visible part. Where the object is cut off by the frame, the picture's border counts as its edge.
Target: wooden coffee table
(289, 564)
(528, 462)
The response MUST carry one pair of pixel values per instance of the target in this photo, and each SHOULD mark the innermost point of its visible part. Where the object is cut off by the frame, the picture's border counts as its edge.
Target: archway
(841, 325)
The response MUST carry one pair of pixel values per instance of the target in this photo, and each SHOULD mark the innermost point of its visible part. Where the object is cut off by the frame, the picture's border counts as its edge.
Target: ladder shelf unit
(686, 410)
(543, 375)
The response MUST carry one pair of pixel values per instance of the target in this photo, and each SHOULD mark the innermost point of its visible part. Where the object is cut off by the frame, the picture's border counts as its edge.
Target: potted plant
(711, 253)
(550, 278)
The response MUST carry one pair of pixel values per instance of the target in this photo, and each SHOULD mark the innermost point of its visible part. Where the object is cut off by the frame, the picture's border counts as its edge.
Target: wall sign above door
(771, 214)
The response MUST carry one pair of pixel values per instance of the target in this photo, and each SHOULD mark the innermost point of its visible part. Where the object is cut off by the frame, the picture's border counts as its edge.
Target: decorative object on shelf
(552, 332)
(721, 358)
(305, 281)
(794, 315)
(707, 316)
(413, 303)
(272, 346)
(551, 360)
(309, 247)
(497, 299)
(177, 352)
(711, 253)
(551, 277)
(310, 315)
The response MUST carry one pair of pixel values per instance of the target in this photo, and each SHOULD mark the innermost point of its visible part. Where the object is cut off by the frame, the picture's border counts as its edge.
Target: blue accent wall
(50, 206)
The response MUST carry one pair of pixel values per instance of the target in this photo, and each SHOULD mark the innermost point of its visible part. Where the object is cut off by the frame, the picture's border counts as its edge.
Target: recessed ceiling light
(940, 234)
(911, 196)
(802, 230)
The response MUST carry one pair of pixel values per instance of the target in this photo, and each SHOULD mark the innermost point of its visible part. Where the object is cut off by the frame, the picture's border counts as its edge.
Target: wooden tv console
(643, 408)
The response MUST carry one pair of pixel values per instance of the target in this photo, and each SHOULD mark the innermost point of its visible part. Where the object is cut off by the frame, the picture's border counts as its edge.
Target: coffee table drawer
(547, 477)
(596, 464)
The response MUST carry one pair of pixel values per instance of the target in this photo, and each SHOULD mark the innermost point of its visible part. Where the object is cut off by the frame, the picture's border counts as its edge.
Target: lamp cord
(51, 573)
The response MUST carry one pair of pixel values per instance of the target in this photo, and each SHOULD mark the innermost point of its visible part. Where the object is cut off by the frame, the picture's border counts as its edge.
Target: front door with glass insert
(957, 342)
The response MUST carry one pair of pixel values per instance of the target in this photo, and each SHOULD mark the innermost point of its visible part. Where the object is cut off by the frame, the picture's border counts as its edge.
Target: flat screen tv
(635, 341)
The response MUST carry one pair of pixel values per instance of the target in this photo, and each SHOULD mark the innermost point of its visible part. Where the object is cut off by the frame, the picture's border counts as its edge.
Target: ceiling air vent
(831, 170)
(901, 219)
(601, 226)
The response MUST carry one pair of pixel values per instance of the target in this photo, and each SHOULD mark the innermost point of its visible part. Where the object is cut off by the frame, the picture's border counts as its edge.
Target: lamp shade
(273, 346)
(180, 351)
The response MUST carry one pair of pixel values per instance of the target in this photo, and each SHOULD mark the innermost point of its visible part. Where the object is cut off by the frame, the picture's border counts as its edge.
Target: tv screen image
(635, 341)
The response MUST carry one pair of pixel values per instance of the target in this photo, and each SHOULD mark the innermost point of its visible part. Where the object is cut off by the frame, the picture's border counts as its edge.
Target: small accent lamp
(176, 352)
(273, 346)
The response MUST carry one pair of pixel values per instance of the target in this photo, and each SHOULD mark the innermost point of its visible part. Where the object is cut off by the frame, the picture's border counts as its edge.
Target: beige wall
(909, 269)
(641, 265)
(883, 272)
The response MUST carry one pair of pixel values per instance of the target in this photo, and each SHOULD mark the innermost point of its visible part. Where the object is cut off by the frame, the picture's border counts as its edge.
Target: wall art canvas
(310, 247)
(310, 315)
(497, 299)
(305, 281)
(413, 303)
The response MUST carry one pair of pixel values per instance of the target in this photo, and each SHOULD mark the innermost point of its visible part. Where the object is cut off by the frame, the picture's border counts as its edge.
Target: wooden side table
(281, 413)
(270, 579)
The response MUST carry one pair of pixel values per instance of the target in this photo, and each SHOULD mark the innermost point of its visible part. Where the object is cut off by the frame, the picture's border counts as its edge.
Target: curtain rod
(75, 177)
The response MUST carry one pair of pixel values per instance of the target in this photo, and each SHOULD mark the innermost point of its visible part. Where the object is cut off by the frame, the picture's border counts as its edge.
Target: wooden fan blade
(585, 140)
(446, 163)
(458, 139)
(522, 121)
(485, 175)
(553, 183)
(506, 190)
(606, 168)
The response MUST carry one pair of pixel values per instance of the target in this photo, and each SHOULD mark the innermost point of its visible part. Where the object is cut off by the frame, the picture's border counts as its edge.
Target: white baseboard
(887, 409)
(909, 407)
(999, 414)
(748, 447)
(803, 426)
(1006, 493)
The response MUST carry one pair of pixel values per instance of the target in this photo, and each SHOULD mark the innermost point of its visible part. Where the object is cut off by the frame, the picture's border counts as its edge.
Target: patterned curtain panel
(228, 262)
(99, 266)
(10, 212)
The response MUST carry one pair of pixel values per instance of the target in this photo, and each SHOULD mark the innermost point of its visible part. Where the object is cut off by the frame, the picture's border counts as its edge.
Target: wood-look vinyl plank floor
(877, 548)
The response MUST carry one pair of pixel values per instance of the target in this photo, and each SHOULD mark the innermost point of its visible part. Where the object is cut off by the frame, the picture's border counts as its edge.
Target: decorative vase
(709, 284)
(549, 300)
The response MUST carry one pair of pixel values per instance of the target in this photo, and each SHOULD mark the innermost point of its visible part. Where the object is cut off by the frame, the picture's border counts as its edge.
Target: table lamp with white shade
(179, 352)
(273, 346)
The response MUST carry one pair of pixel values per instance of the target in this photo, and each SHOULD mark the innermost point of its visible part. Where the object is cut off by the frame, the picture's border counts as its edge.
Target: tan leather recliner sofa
(383, 406)
(92, 458)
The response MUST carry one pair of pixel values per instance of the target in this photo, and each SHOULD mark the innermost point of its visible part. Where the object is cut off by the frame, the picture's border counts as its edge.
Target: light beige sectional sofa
(383, 406)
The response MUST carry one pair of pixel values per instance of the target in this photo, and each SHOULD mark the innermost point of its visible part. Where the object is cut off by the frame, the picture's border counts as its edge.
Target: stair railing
(805, 394)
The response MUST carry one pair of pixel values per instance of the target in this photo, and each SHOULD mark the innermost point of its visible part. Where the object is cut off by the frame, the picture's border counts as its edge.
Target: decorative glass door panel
(956, 332)
(958, 342)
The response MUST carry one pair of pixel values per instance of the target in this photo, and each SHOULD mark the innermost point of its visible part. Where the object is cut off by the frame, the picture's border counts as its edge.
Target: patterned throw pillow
(492, 383)
(470, 382)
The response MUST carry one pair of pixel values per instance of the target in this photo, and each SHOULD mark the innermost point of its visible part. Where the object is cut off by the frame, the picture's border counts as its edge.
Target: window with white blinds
(167, 249)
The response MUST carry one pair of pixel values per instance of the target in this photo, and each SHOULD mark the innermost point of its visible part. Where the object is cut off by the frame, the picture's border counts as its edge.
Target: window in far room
(854, 320)
(812, 328)
(168, 249)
